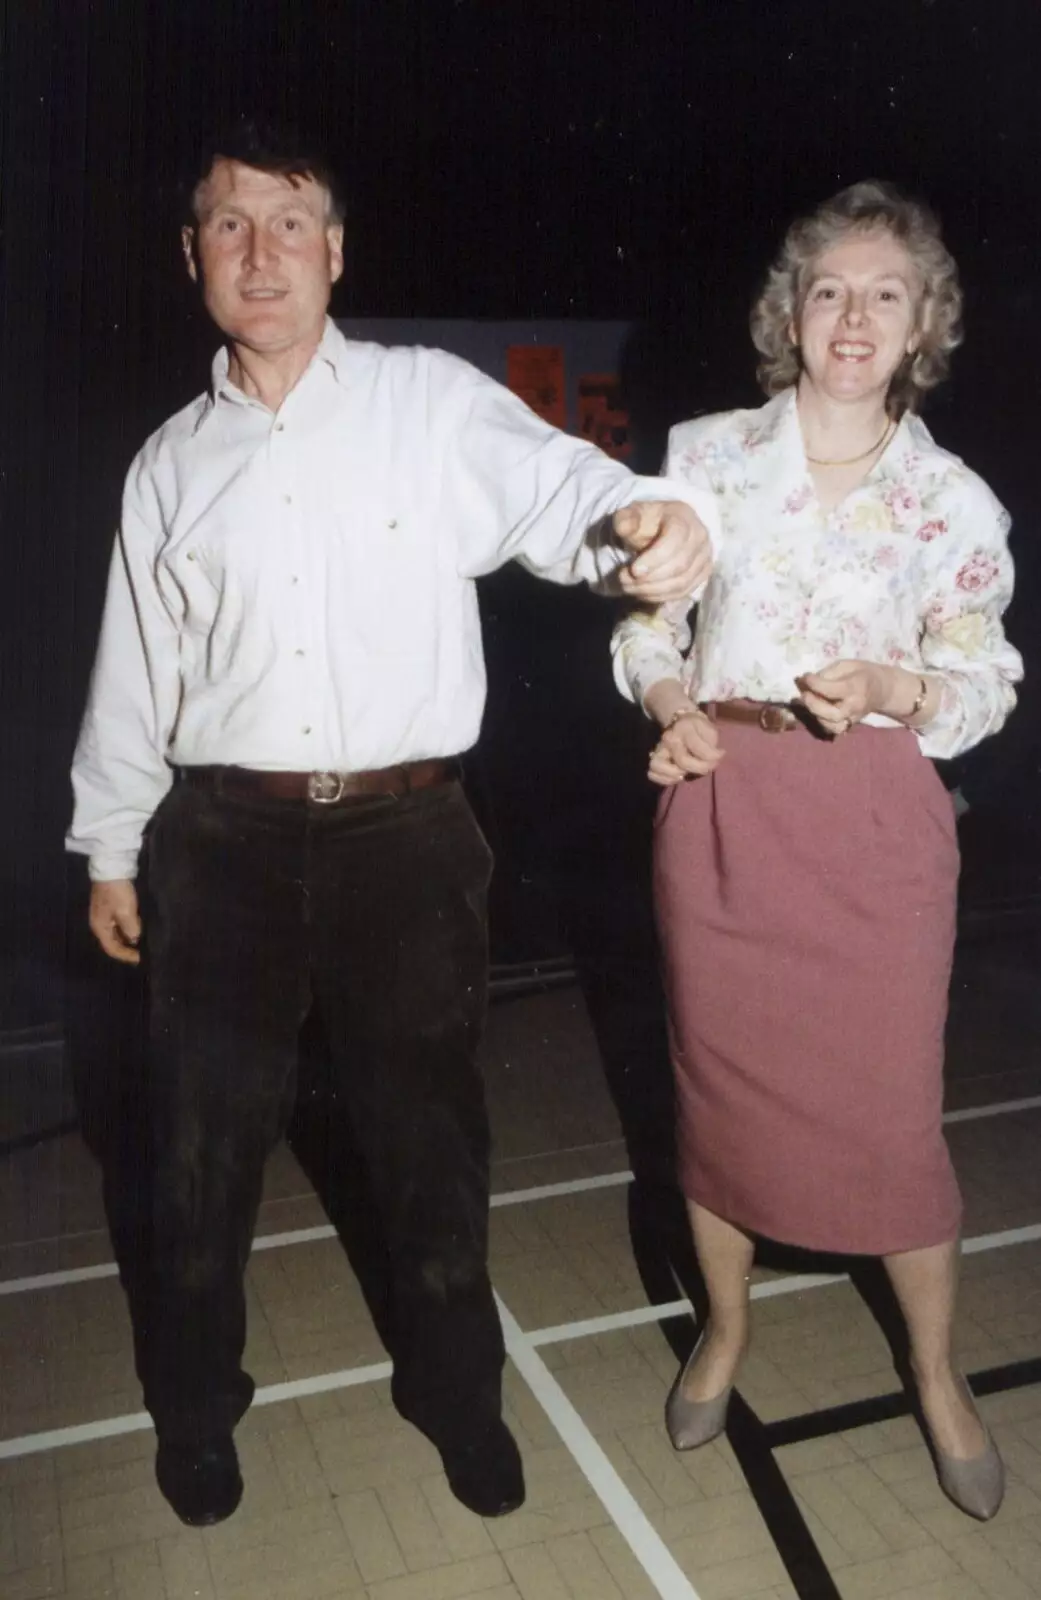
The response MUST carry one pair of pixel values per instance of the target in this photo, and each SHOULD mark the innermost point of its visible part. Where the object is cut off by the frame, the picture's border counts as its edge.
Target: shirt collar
(333, 350)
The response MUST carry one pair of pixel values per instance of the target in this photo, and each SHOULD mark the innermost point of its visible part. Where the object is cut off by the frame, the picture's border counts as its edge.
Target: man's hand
(115, 921)
(672, 549)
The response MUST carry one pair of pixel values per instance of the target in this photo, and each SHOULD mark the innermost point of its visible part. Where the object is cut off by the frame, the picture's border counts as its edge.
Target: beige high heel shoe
(976, 1484)
(692, 1423)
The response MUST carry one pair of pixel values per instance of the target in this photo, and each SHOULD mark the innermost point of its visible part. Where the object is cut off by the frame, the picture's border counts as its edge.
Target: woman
(806, 881)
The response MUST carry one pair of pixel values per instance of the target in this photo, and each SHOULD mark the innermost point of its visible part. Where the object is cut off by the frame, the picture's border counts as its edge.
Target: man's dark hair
(269, 147)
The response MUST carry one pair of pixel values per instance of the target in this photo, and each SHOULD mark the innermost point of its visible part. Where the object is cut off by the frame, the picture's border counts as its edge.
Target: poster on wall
(602, 418)
(535, 372)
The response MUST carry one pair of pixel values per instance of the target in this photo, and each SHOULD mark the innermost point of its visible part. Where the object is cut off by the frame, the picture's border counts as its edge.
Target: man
(289, 661)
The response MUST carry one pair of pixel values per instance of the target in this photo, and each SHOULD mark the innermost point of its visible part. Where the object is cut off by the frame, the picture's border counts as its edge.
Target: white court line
(610, 1322)
(277, 1241)
(550, 1191)
(997, 1241)
(998, 1108)
(322, 1383)
(510, 1197)
(31, 1444)
(760, 1291)
(769, 1289)
(646, 1544)
(325, 1230)
(54, 1280)
(108, 1269)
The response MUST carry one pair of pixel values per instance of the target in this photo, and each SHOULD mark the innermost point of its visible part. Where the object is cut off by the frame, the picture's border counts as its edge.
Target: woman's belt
(773, 716)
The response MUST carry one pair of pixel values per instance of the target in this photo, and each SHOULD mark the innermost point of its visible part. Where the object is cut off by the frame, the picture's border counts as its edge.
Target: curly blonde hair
(863, 208)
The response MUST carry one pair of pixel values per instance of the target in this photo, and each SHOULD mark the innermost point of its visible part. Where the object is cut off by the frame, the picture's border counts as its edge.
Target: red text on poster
(535, 372)
(601, 417)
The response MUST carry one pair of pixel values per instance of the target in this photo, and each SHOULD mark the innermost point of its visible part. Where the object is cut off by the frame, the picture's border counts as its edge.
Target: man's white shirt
(295, 590)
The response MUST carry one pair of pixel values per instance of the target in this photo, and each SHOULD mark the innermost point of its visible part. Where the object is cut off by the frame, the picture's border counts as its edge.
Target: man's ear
(188, 250)
(334, 235)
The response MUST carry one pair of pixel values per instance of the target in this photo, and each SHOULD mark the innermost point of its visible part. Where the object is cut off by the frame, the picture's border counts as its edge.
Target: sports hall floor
(823, 1487)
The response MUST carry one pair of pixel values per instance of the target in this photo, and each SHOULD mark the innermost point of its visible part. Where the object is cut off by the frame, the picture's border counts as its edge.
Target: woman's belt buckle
(776, 718)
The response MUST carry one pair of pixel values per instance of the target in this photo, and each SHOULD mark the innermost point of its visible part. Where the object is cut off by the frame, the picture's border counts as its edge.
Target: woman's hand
(688, 749)
(845, 692)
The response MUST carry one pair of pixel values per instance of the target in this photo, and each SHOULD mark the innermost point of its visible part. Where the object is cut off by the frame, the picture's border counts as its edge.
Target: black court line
(883, 1407)
(750, 1441)
(749, 1438)
(754, 1443)
(664, 1257)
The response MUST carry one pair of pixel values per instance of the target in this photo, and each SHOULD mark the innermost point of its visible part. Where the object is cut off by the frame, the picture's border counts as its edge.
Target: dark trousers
(374, 912)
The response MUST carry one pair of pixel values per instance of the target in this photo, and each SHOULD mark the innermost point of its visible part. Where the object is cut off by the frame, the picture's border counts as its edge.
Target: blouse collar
(778, 423)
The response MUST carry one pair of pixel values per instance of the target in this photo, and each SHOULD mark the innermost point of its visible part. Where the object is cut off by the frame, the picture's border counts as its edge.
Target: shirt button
(280, 427)
(298, 652)
(288, 498)
(305, 730)
(190, 556)
(393, 522)
(294, 580)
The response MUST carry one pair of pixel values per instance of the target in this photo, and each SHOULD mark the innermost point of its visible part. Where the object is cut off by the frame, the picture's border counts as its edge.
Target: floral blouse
(911, 568)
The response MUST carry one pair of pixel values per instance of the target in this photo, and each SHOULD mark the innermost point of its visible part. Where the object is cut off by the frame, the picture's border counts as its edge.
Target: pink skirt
(806, 898)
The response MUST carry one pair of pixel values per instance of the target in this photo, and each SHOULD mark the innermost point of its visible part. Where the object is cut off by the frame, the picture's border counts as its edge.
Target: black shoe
(486, 1473)
(201, 1481)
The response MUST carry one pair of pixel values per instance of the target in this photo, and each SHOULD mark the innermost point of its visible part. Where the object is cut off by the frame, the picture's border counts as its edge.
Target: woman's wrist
(666, 701)
(909, 697)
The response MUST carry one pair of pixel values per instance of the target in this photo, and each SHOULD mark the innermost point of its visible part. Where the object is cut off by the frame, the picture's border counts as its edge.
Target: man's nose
(257, 252)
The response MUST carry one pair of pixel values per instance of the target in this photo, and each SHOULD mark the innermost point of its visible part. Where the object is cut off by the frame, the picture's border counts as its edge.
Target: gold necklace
(850, 461)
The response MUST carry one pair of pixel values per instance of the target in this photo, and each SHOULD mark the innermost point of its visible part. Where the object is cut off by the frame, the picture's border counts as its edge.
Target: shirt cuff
(641, 662)
(116, 866)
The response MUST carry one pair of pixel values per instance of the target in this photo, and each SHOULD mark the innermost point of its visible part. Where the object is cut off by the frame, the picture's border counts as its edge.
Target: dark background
(620, 160)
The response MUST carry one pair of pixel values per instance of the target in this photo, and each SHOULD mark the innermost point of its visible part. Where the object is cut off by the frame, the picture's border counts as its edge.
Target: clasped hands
(839, 696)
(672, 552)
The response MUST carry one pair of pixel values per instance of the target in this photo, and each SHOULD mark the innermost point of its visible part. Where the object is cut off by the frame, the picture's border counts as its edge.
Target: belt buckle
(775, 718)
(325, 788)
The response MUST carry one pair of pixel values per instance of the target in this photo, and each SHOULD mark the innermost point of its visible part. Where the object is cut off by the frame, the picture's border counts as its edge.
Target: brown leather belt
(323, 788)
(770, 715)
